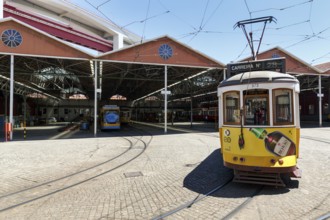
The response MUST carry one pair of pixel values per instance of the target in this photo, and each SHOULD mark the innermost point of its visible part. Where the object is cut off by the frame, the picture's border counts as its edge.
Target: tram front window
(282, 100)
(231, 107)
(256, 107)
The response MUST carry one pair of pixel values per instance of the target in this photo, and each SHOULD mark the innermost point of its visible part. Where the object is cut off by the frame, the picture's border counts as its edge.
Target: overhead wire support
(249, 37)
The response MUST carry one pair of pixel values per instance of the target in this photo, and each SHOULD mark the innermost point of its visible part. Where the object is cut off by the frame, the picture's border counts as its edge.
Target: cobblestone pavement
(175, 168)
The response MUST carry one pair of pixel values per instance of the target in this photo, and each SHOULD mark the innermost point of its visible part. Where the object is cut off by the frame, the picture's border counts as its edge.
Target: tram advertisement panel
(260, 141)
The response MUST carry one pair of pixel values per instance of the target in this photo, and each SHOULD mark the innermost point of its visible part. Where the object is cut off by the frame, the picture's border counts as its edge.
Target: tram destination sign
(277, 65)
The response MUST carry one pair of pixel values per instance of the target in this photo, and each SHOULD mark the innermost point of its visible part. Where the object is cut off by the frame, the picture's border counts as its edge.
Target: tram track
(232, 213)
(326, 141)
(193, 201)
(213, 191)
(21, 197)
(240, 206)
(72, 174)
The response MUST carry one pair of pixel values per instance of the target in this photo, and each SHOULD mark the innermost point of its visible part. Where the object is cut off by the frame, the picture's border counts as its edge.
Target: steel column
(165, 101)
(191, 110)
(11, 95)
(95, 98)
(320, 101)
(25, 108)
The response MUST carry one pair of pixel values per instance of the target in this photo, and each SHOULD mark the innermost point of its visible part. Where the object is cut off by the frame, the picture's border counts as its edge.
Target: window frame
(245, 97)
(291, 92)
(225, 121)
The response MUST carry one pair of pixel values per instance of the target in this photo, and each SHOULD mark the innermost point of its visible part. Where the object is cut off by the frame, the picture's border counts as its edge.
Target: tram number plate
(255, 85)
(227, 139)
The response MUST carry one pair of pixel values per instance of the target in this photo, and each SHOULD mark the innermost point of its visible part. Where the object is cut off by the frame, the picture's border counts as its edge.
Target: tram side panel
(263, 148)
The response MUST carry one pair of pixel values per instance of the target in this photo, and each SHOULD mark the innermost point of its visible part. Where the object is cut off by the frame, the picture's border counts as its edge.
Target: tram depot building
(60, 63)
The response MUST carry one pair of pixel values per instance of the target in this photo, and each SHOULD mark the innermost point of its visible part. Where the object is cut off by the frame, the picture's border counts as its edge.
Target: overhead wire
(103, 4)
(321, 57)
(204, 13)
(126, 32)
(205, 19)
(203, 24)
(306, 38)
(146, 19)
(309, 37)
(115, 24)
(246, 46)
(145, 22)
(213, 13)
(291, 25)
(310, 16)
(176, 16)
(282, 9)
(248, 9)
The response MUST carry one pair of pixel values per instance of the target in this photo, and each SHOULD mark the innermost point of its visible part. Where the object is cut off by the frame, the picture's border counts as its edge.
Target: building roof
(324, 67)
(294, 65)
(69, 22)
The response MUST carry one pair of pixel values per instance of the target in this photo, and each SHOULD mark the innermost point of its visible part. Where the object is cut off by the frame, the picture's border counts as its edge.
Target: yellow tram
(125, 115)
(259, 126)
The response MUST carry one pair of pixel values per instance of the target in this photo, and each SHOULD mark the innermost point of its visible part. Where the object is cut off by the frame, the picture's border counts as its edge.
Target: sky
(301, 27)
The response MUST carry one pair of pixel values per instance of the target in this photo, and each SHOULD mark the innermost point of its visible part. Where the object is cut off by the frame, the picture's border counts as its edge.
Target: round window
(165, 51)
(11, 38)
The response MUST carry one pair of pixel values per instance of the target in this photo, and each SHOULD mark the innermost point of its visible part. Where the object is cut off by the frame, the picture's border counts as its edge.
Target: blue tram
(110, 117)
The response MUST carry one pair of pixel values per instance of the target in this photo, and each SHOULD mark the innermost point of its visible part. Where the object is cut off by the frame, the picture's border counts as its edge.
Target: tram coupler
(296, 173)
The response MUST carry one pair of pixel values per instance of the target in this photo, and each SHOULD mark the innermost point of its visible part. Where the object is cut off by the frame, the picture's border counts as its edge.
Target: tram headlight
(280, 161)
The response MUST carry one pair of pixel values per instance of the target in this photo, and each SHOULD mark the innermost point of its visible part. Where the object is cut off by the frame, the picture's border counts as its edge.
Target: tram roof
(258, 77)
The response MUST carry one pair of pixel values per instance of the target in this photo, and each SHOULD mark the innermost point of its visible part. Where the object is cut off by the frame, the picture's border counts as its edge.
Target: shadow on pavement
(208, 174)
(211, 173)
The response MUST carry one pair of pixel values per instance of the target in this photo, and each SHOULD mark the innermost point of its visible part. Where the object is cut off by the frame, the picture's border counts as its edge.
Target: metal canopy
(59, 78)
(52, 77)
(137, 80)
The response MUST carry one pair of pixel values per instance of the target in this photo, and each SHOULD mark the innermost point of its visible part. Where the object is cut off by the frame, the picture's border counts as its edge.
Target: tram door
(256, 107)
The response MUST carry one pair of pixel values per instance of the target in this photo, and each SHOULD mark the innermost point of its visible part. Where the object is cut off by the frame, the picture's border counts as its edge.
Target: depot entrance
(54, 72)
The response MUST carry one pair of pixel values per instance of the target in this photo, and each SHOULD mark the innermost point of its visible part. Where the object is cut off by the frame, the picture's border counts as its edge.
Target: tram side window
(256, 107)
(231, 107)
(283, 113)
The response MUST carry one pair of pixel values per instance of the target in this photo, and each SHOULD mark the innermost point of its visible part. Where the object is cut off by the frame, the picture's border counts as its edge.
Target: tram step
(272, 179)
